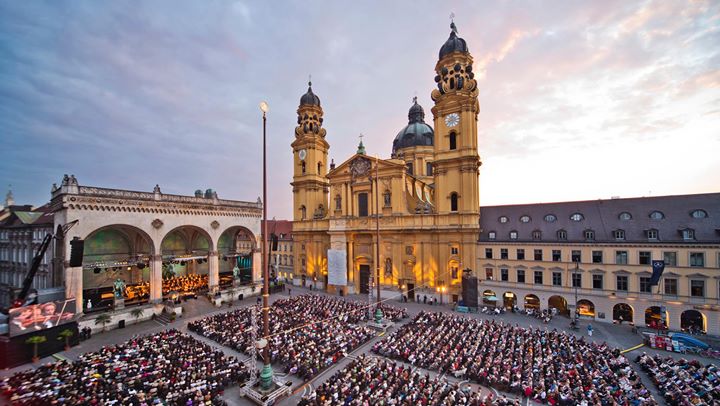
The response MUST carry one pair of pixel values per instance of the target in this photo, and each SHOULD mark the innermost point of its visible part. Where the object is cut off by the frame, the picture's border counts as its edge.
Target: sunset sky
(579, 99)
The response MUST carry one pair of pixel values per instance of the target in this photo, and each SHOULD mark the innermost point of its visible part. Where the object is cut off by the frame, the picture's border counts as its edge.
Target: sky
(579, 100)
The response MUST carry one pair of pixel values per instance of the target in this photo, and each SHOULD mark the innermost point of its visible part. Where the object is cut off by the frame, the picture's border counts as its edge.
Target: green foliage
(137, 313)
(36, 340)
(67, 333)
(103, 320)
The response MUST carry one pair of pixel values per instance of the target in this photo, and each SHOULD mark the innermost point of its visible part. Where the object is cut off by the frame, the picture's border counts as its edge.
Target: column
(213, 271)
(257, 265)
(156, 279)
(74, 286)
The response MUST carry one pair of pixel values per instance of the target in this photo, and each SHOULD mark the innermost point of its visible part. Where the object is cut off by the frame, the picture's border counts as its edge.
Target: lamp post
(577, 265)
(378, 312)
(266, 376)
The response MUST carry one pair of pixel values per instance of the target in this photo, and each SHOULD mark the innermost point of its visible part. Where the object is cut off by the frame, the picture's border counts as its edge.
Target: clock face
(451, 120)
(302, 154)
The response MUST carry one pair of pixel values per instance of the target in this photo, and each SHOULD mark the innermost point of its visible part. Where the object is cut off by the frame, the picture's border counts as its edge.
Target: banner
(337, 267)
(32, 318)
(658, 266)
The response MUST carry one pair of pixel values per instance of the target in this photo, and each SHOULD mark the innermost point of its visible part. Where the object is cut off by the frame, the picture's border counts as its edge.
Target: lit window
(525, 219)
(698, 214)
(550, 218)
(657, 215)
(562, 235)
(577, 217)
(513, 235)
(503, 219)
(625, 216)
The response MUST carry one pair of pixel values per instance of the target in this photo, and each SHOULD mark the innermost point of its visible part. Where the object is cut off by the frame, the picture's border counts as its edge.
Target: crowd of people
(683, 382)
(371, 380)
(308, 332)
(187, 283)
(164, 368)
(547, 366)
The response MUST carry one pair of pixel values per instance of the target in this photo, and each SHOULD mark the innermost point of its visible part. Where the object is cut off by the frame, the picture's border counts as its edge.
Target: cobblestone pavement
(620, 336)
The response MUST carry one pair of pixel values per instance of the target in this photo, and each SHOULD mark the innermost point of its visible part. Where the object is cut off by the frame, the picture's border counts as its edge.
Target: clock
(302, 154)
(451, 120)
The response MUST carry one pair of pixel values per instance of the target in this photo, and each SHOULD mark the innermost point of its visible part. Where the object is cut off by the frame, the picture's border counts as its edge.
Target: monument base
(255, 393)
(119, 304)
(384, 325)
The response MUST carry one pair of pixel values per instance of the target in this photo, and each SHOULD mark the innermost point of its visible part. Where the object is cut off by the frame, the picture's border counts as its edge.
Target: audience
(163, 368)
(683, 382)
(547, 366)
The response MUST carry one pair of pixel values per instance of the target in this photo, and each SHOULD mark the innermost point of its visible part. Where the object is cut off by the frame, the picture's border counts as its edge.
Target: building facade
(281, 259)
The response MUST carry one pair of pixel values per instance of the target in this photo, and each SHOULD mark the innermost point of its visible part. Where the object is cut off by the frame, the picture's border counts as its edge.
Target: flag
(658, 267)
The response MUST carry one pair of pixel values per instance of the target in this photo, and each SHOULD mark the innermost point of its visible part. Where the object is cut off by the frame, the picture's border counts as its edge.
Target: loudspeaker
(274, 239)
(76, 252)
(121, 323)
(470, 291)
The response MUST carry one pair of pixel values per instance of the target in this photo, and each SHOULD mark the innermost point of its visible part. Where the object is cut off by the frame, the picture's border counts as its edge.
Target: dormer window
(698, 214)
(537, 235)
(513, 235)
(577, 217)
(562, 235)
(525, 219)
(491, 235)
(503, 219)
(550, 218)
(657, 215)
(688, 234)
(652, 234)
(589, 235)
(619, 234)
(625, 216)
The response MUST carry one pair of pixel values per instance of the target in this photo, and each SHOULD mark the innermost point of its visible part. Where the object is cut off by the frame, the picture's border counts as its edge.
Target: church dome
(310, 98)
(453, 44)
(416, 133)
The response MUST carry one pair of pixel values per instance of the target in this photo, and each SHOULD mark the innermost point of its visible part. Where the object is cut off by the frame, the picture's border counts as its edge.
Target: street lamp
(575, 283)
(266, 376)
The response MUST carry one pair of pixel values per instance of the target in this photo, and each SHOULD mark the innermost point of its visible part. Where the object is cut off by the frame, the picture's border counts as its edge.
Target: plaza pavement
(620, 336)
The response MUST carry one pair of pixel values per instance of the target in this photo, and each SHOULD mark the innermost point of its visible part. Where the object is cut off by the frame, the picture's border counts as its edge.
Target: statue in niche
(388, 267)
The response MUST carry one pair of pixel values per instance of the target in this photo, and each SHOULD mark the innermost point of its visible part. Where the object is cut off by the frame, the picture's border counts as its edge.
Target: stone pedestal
(119, 304)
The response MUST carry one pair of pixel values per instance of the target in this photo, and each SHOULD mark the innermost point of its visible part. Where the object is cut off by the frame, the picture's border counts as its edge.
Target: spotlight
(129, 268)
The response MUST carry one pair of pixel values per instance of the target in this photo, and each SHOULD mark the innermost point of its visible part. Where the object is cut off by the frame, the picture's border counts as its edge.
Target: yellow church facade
(422, 202)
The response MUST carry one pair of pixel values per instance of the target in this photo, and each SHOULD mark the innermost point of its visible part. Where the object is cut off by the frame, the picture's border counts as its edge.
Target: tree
(137, 313)
(35, 340)
(66, 334)
(103, 320)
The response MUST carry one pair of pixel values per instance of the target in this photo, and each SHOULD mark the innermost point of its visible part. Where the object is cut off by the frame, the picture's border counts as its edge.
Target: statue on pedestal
(119, 288)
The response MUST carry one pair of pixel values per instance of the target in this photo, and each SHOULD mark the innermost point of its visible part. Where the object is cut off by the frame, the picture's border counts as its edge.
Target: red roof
(281, 228)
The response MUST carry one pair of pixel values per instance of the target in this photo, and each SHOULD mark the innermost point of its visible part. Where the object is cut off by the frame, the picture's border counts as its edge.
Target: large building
(423, 203)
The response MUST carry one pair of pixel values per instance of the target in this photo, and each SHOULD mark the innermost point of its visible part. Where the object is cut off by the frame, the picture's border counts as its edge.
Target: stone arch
(654, 318)
(509, 300)
(532, 302)
(692, 320)
(623, 312)
(559, 303)
(585, 308)
(236, 248)
(489, 297)
(195, 238)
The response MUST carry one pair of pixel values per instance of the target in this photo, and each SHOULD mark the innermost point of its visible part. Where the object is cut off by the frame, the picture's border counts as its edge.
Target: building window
(537, 235)
(625, 216)
(538, 276)
(362, 204)
(550, 218)
(644, 257)
(489, 274)
(557, 279)
(670, 258)
(589, 235)
(688, 234)
(576, 256)
(453, 250)
(537, 254)
(303, 168)
(525, 219)
(503, 253)
(409, 168)
(671, 286)
(619, 234)
(504, 275)
(645, 285)
(576, 280)
(621, 283)
(453, 140)
(491, 235)
(697, 259)
(597, 257)
(621, 257)
(503, 219)
(521, 276)
(319, 165)
(513, 235)
(556, 257)
(657, 215)
(698, 214)
(562, 235)
(652, 234)
(697, 288)
(338, 202)
(488, 253)
(577, 217)
(454, 272)
(520, 254)
(428, 168)
(453, 201)
(387, 198)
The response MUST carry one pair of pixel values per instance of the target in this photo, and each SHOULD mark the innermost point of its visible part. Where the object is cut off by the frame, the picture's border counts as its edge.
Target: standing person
(590, 330)
(424, 299)
(290, 292)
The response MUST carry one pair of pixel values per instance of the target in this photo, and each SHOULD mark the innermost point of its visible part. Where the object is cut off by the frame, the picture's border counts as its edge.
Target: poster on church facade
(337, 267)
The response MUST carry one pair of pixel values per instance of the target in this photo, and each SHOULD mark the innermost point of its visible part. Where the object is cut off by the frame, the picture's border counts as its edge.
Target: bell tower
(455, 113)
(310, 151)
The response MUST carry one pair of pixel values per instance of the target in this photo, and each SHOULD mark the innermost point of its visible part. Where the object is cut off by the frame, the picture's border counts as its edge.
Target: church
(422, 203)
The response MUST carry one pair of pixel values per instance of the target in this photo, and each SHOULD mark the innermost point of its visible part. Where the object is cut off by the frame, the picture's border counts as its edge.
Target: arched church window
(453, 140)
(453, 201)
(319, 168)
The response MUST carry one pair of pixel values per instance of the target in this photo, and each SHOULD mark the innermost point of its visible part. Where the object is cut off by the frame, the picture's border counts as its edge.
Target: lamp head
(264, 106)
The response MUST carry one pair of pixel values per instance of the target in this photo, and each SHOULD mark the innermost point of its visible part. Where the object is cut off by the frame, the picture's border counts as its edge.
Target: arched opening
(303, 168)
(532, 302)
(116, 253)
(185, 265)
(453, 140)
(319, 168)
(623, 312)
(509, 300)
(692, 321)
(489, 298)
(453, 201)
(656, 318)
(235, 253)
(560, 304)
(303, 212)
(585, 308)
